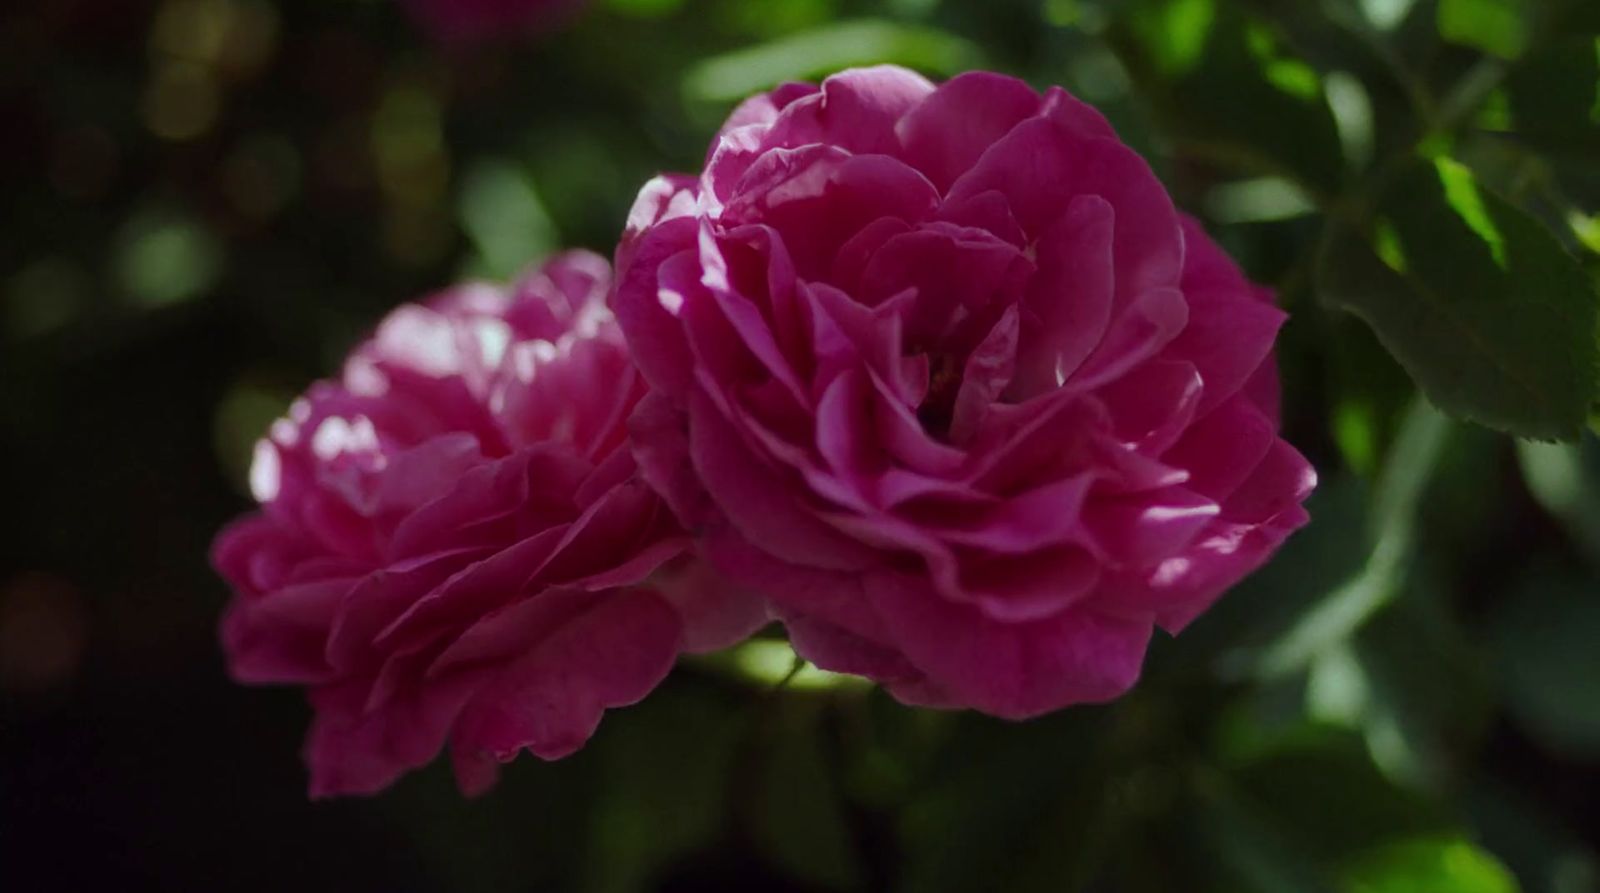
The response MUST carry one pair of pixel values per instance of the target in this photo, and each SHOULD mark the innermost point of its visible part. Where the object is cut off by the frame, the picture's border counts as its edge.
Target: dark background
(207, 201)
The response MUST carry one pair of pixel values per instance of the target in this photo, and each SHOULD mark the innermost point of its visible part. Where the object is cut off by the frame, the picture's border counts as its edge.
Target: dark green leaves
(1478, 301)
(1499, 27)
(1230, 90)
(1546, 632)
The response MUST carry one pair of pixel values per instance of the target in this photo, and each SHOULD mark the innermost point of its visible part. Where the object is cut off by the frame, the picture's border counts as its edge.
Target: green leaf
(1228, 90)
(800, 819)
(1429, 863)
(504, 217)
(824, 50)
(1478, 301)
(1325, 556)
(1544, 854)
(1016, 808)
(1498, 27)
(1321, 795)
(1565, 480)
(1544, 633)
(665, 772)
(1339, 614)
(1174, 31)
(1553, 100)
(1251, 850)
(1413, 685)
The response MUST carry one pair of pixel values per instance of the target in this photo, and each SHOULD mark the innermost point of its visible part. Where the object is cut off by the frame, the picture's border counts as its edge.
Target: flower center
(937, 408)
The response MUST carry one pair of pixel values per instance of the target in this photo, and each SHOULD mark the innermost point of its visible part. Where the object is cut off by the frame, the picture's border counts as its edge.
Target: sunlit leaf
(1174, 31)
(505, 219)
(827, 49)
(1498, 27)
(771, 662)
(1477, 300)
(1229, 91)
(1429, 863)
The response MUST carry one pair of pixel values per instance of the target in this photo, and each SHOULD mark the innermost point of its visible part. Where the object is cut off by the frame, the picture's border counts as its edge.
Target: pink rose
(942, 372)
(454, 545)
(472, 21)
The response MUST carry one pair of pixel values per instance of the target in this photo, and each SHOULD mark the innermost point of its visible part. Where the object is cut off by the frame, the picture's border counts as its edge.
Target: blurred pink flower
(472, 21)
(943, 373)
(453, 544)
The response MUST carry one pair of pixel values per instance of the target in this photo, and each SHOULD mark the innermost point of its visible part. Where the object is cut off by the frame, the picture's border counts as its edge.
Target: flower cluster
(934, 375)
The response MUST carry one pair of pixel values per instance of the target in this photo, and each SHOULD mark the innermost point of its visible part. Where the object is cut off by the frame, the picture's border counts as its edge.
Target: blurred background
(208, 201)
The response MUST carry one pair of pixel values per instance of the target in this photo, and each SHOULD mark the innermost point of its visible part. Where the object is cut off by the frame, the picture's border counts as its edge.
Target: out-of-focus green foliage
(209, 200)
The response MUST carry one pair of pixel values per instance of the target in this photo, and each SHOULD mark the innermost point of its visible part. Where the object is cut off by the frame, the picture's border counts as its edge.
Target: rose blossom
(453, 544)
(942, 372)
(470, 21)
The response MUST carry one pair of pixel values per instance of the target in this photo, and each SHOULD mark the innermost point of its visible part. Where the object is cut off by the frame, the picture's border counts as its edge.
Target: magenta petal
(1069, 301)
(842, 423)
(715, 611)
(646, 301)
(856, 109)
(1149, 324)
(988, 211)
(1048, 515)
(279, 637)
(1181, 588)
(1227, 343)
(470, 593)
(764, 505)
(1031, 587)
(833, 596)
(422, 474)
(1146, 528)
(1040, 167)
(763, 108)
(989, 370)
(381, 598)
(350, 751)
(1281, 481)
(819, 196)
(550, 701)
(659, 433)
(841, 651)
(947, 132)
(851, 260)
(1221, 450)
(1012, 670)
(1152, 406)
